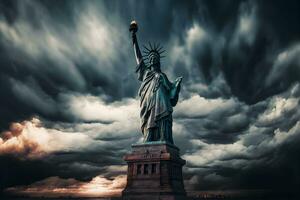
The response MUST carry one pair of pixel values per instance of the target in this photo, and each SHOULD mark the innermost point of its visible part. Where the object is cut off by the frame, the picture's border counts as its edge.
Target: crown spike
(150, 46)
(146, 48)
(160, 52)
(146, 52)
(160, 48)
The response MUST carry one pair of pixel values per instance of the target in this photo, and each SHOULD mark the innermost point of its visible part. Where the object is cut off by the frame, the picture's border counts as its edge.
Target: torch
(133, 27)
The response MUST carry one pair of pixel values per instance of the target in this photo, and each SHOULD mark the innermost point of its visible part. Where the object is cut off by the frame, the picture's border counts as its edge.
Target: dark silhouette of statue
(157, 94)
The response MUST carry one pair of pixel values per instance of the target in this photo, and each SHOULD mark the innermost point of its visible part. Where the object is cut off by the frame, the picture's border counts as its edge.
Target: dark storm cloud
(249, 55)
(70, 64)
(255, 152)
(62, 56)
(45, 57)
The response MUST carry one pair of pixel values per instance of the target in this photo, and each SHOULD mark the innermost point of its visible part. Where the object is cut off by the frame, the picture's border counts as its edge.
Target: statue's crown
(153, 50)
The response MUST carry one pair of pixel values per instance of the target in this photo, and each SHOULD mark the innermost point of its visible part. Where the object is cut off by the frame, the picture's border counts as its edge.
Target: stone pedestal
(154, 173)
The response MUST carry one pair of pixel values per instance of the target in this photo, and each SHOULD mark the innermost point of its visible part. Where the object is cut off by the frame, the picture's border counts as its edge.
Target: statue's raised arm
(138, 55)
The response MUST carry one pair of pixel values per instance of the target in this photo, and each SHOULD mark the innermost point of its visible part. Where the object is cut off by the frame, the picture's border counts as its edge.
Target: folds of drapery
(157, 97)
(154, 98)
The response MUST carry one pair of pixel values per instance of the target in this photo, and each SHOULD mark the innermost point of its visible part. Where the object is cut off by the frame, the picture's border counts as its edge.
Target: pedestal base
(154, 173)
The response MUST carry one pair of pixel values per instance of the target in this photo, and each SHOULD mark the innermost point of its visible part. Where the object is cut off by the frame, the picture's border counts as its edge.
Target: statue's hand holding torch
(133, 28)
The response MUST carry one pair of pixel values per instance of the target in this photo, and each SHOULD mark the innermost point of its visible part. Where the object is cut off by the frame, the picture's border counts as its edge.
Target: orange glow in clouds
(57, 187)
(30, 140)
(19, 140)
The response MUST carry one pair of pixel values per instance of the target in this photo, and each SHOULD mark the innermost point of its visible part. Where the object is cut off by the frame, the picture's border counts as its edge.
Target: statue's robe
(157, 96)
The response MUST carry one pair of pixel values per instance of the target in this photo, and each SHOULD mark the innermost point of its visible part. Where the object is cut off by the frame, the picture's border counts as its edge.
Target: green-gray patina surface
(157, 94)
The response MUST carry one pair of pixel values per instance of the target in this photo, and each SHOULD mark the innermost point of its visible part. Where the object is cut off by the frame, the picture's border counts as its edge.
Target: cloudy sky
(69, 108)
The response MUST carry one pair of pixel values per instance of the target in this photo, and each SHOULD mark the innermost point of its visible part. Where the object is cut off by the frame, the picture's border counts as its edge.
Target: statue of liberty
(157, 94)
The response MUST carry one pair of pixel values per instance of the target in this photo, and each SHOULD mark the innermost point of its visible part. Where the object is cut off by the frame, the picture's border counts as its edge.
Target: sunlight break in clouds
(278, 107)
(32, 140)
(56, 187)
(187, 108)
(93, 108)
(119, 119)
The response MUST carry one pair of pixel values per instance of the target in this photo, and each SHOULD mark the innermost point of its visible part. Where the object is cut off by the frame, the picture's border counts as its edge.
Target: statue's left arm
(173, 88)
(174, 93)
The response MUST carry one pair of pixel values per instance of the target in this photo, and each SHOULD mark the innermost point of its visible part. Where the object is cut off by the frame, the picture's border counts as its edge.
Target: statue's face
(155, 60)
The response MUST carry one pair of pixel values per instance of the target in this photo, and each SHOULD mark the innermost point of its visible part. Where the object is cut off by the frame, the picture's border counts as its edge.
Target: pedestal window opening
(139, 169)
(146, 167)
(153, 169)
